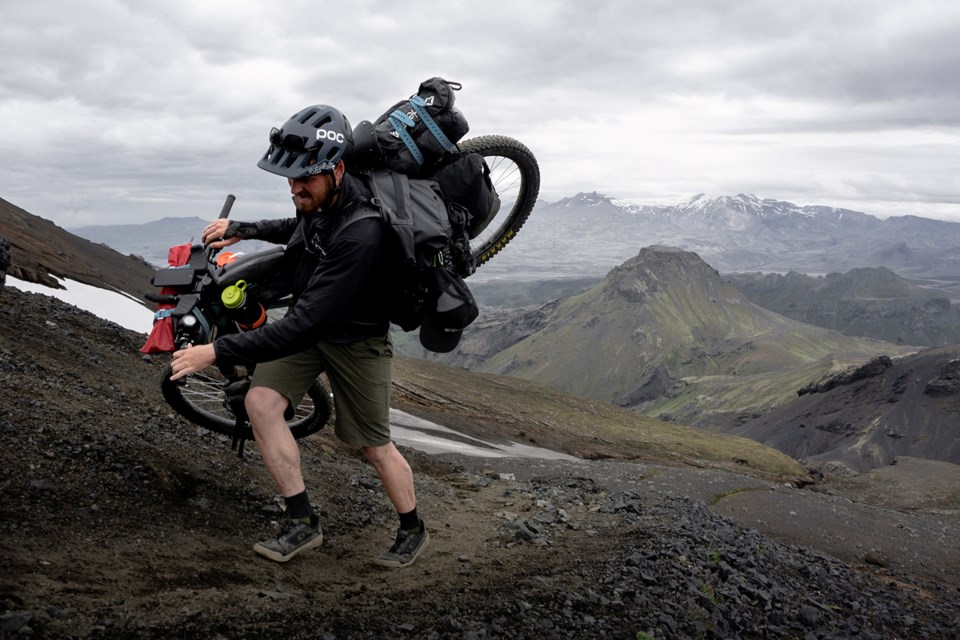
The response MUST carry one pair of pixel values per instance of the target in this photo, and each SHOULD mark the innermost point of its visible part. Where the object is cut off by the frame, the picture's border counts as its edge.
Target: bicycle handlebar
(224, 213)
(227, 205)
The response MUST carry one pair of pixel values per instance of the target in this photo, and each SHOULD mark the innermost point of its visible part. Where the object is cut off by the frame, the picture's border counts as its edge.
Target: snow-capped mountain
(590, 233)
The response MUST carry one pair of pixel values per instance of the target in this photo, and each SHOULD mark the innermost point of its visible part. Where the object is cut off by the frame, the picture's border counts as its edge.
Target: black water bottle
(246, 312)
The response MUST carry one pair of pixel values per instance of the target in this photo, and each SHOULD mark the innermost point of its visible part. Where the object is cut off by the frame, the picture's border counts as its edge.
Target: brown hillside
(41, 249)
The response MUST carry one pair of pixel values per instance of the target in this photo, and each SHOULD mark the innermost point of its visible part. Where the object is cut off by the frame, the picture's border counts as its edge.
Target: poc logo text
(332, 136)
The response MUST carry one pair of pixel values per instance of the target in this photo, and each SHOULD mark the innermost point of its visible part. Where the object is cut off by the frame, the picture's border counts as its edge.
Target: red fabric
(160, 339)
(179, 255)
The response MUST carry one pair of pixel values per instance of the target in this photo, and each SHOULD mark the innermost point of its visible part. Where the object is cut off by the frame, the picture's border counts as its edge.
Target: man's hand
(215, 233)
(192, 359)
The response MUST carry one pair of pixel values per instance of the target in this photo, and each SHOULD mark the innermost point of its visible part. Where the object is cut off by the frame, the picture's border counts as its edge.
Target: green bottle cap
(233, 295)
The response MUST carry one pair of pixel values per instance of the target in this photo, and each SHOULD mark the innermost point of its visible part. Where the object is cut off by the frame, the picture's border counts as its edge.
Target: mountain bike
(214, 398)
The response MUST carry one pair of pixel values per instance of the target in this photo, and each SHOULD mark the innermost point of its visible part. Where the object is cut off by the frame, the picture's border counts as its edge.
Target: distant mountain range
(872, 302)
(151, 240)
(776, 252)
(590, 233)
(663, 333)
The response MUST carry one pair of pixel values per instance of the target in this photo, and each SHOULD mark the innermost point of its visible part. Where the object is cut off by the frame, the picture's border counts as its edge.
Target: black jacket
(336, 262)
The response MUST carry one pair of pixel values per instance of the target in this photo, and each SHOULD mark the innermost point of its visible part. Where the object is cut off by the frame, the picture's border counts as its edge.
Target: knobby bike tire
(200, 398)
(516, 176)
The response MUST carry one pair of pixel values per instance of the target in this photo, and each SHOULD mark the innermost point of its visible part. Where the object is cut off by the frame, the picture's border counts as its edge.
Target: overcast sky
(121, 112)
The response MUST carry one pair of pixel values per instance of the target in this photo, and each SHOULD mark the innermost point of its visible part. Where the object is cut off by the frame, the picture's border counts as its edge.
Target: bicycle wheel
(516, 177)
(201, 398)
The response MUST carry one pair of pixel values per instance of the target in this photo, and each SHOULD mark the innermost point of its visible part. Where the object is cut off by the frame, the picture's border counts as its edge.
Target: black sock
(299, 508)
(410, 521)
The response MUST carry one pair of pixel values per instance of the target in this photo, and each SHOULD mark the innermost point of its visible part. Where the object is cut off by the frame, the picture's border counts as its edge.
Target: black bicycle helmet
(311, 142)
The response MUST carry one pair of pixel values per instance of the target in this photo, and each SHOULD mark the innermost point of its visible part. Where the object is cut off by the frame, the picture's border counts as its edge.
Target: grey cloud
(166, 103)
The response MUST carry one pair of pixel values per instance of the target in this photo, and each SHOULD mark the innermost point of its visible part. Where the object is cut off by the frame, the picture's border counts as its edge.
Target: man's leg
(395, 474)
(360, 376)
(397, 479)
(280, 452)
(267, 400)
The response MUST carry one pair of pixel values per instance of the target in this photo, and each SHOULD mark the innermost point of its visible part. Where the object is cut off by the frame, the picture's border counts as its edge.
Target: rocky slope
(119, 520)
(867, 416)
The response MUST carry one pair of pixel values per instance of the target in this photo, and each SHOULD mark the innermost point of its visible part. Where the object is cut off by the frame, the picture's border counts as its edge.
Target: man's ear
(339, 170)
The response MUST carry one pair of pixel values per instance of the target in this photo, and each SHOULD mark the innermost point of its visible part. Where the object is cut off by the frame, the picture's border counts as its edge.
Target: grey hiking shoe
(294, 538)
(406, 547)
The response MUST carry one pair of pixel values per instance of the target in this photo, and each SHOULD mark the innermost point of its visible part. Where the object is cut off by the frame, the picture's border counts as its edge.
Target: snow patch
(114, 306)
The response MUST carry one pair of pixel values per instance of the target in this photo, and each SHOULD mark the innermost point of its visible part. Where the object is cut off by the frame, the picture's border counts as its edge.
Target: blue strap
(161, 314)
(400, 121)
(203, 322)
(420, 106)
(403, 118)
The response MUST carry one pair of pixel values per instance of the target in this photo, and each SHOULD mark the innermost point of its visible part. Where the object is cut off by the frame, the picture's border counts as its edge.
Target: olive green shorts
(359, 375)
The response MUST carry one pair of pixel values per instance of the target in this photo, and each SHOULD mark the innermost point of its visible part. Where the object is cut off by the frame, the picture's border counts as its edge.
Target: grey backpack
(429, 241)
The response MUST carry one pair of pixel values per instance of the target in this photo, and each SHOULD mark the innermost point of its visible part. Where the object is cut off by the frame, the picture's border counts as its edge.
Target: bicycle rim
(516, 177)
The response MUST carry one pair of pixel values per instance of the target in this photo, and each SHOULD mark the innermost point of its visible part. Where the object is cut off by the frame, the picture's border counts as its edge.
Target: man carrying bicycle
(337, 268)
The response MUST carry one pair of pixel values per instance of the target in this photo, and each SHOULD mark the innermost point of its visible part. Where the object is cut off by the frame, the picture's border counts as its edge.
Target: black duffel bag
(413, 134)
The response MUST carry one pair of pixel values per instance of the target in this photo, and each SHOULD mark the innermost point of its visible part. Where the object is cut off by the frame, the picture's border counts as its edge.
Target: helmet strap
(334, 192)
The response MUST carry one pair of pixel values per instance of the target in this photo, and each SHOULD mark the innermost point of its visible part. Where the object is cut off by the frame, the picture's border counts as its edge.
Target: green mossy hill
(664, 326)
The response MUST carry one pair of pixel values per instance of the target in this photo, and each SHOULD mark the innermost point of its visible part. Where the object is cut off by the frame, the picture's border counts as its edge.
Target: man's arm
(222, 233)
(329, 294)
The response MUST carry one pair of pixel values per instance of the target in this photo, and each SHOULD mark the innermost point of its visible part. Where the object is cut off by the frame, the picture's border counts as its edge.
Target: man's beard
(307, 205)
(310, 203)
